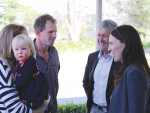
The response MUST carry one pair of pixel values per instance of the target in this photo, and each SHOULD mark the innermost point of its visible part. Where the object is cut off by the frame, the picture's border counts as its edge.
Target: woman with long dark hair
(131, 92)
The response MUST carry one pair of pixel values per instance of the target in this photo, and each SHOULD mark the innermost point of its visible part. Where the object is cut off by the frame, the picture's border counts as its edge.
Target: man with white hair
(99, 72)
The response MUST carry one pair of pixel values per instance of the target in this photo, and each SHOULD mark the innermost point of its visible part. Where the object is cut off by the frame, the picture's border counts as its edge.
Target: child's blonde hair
(24, 39)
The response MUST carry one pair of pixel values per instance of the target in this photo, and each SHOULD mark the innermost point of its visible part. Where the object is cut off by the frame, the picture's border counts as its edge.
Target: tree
(73, 15)
(132, 12)
(13, 12)
(138, 12)
(27, 18)
(9, 10)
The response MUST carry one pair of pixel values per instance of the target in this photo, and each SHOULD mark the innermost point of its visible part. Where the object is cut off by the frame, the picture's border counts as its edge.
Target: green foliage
(72, 108)
(84, 45)
(138, 13)
(146, 46)
(13, 12)
(10, 11)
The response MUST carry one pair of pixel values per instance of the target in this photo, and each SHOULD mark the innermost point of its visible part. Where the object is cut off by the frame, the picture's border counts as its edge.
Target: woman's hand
(13, 78)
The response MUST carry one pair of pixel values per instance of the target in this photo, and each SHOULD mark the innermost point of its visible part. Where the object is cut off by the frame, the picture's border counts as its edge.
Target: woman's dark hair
(133, 53)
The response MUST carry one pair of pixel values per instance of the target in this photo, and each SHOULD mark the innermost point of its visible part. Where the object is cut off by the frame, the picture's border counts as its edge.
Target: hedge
(72, 108)
(65, 46)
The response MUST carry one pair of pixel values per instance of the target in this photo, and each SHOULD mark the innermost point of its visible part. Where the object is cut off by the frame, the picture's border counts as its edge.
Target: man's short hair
(41, 21)
(107, 24)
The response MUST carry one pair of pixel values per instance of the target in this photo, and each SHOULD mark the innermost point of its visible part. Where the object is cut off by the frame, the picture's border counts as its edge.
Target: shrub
(64, 46)
(146, 46)
(72, 108)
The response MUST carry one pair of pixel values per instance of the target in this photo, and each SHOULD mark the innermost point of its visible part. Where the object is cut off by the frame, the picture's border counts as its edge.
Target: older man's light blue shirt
(101, 75)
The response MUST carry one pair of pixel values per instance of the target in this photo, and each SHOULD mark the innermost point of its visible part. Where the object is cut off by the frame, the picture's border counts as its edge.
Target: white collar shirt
(100, 78)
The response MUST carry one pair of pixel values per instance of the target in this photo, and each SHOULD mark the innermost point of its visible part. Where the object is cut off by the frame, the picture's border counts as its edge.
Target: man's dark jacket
(88, 82)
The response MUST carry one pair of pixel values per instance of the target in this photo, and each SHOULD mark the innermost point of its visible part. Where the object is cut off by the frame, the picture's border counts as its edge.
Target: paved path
(72, 66)
(71, 76)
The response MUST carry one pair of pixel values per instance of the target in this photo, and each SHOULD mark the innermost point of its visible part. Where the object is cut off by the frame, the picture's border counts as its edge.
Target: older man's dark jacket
(88, 82)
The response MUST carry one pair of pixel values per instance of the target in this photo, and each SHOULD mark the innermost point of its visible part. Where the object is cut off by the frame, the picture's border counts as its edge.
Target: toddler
(32, 84)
